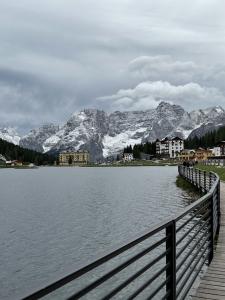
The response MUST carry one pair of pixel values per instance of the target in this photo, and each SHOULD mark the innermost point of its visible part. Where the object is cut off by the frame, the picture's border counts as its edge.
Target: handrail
(172, 275)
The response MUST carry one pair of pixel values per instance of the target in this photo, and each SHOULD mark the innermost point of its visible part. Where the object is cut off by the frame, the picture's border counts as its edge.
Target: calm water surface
(54, 219)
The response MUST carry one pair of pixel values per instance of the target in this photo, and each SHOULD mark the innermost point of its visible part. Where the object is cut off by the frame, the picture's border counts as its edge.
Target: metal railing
(163, 263)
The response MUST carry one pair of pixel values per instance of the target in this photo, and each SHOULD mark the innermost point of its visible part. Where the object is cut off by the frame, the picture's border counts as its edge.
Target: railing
(215, 161)
(163, 263)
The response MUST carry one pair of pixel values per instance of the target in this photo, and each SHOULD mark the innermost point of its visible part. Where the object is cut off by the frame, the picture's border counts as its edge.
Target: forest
(13, 152)
(209, 140)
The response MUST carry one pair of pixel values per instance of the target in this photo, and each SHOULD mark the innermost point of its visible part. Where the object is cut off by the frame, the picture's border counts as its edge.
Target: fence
(163, 263)
(215, 162)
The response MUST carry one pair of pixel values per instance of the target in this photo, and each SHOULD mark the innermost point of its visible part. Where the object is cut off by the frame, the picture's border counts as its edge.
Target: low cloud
(147, 95)
(163, 67)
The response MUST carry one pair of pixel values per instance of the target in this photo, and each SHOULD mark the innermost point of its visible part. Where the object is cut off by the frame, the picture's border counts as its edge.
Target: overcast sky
(60, 56)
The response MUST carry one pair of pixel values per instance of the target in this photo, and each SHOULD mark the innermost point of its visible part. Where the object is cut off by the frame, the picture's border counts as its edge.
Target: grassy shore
(216, 169)
(187, 186)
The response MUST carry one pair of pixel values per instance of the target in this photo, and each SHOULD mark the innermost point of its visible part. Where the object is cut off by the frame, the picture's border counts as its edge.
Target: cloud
(147, 95)
(163, 67)
(59, 56)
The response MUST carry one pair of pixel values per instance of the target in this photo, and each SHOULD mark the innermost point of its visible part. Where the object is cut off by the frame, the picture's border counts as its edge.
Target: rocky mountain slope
(106, 134)
(10, 135)
(36, 137)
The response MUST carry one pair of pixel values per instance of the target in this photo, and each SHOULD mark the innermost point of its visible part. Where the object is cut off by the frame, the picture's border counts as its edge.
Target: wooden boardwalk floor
(212, 285)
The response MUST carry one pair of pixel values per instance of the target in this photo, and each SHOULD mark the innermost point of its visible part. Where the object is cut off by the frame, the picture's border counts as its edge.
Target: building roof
(169, 139)
(177, 139)
(72, 152)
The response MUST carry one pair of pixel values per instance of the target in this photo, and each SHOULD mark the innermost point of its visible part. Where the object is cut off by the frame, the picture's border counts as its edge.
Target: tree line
(209, 140)
(137, 149)
(14, 152)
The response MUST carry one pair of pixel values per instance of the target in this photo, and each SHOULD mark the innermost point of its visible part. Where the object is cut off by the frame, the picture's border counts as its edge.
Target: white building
(216, 151)
(128, 157)
(169, 148)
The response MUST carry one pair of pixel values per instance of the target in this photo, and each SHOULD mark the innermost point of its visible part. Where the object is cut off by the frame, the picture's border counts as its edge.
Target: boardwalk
(212, 285)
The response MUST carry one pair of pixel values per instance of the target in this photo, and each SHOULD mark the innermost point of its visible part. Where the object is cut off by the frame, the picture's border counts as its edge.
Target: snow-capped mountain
(10, 135)
(105, 134)
(37, 137)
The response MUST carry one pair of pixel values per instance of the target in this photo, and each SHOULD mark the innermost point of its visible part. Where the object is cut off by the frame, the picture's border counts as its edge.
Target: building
(186, 155)
(222, 148)
(202, 154)
(68, 158)
(128, 157)
(216, 151)
(14, 163)
(169, 148)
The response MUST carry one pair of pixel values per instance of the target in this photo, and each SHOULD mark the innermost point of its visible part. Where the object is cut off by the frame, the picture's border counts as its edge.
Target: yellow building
(202, 154)
(186, 155)
(68, 158)
(197, 155)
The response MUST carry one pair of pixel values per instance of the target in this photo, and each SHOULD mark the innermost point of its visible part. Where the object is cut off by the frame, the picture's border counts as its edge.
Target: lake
(53, 219)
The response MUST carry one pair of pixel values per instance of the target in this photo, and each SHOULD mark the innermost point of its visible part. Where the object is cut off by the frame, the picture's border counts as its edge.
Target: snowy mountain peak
(105, 134)
(10, 135)
(36, 137)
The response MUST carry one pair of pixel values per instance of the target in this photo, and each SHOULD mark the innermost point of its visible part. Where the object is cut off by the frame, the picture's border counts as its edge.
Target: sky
(61, 56)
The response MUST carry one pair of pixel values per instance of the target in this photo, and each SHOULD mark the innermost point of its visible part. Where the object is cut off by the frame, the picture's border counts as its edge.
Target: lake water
(54, 219)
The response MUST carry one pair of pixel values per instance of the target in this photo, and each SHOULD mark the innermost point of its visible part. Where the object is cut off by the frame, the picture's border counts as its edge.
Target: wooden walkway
(212, 285)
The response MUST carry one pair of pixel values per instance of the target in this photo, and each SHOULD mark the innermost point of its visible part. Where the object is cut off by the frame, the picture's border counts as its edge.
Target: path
(212, 285)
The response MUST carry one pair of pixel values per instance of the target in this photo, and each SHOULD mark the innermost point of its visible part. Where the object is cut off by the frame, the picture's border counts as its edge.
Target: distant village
(174, 149)
(166, 149)
(170, 149)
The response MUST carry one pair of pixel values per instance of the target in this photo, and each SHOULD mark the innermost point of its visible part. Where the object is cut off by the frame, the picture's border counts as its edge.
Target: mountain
(105, 134)
(211, 119)
(36, 137)
(9, 151)
(10, 135)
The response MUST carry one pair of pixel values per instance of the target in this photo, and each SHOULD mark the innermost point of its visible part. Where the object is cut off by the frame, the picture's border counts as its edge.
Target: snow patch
(10, 135)
(114, 144)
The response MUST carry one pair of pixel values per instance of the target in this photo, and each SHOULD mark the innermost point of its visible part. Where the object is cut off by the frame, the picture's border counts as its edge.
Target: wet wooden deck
(212, 285)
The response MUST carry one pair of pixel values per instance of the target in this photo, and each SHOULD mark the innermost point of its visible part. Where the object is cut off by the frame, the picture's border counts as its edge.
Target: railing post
(205, 181)
(211, 242)
(218, 207)
(196, 177)
(171, 260)
(210, 180)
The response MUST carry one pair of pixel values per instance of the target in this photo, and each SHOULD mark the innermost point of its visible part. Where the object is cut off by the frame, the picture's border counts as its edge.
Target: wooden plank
(212, 287)
(211, 291)
(210, 296)
(212, 282)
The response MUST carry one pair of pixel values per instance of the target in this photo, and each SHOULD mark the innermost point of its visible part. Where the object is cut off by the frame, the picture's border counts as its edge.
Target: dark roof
(177, 139)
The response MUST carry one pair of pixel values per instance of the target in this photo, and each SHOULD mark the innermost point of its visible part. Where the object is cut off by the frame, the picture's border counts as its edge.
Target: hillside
(14, 152)
(209, 140)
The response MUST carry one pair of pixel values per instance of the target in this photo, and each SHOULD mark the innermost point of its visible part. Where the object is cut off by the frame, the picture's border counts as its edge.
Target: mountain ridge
(105, 134)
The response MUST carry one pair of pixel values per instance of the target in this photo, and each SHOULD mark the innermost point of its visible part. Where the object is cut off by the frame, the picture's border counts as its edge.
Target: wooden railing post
(171, 260)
